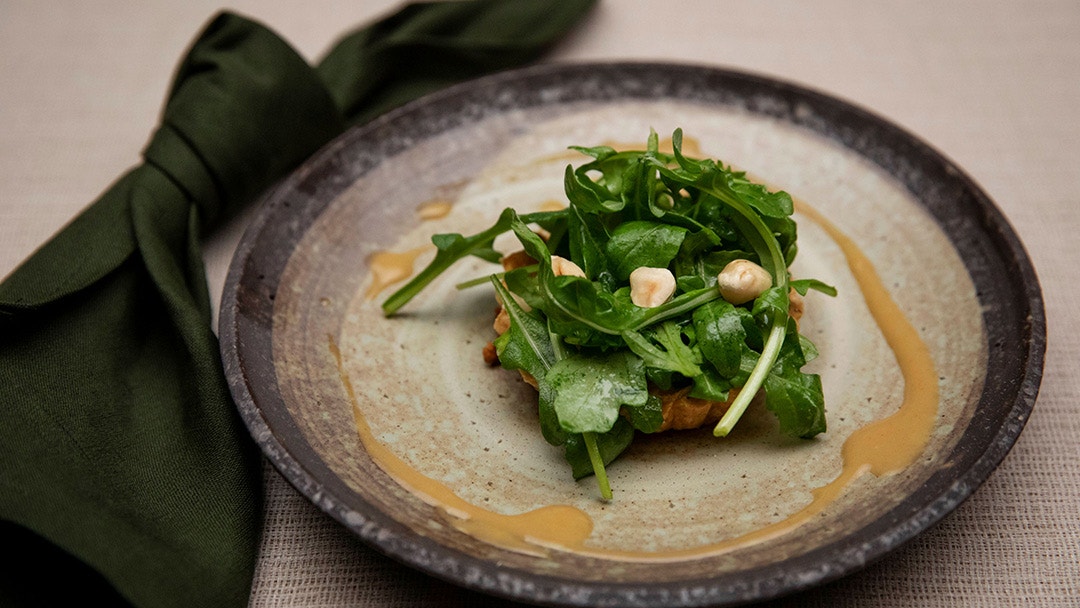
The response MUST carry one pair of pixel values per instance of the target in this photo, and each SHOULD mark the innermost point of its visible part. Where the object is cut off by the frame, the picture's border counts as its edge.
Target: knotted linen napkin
(126, 476)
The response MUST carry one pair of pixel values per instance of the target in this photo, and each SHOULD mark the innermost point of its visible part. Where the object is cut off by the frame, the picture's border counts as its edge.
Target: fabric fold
(441, 43)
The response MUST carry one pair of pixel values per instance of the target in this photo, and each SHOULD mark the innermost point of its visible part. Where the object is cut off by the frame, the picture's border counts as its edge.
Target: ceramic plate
(695, 520)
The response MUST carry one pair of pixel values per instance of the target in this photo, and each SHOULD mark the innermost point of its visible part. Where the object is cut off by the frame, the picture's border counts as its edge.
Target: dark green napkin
(126, 475)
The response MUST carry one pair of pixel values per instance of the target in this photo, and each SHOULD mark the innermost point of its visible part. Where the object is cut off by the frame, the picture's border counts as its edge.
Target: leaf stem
(756, 379)
(478, 281)
(684, 303)
(597, 465)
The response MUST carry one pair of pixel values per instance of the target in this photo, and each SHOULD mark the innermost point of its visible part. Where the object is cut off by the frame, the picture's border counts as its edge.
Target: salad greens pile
(593, 353)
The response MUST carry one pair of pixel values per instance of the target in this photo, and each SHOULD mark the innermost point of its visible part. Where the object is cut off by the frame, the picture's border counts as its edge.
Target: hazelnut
(651, 287)
(742, 280)
(564, 267)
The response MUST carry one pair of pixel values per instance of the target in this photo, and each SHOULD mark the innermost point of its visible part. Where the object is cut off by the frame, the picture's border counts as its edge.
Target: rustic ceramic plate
(309, 354)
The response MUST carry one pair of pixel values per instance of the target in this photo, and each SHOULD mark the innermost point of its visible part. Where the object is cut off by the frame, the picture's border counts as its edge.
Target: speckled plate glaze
(300, 286)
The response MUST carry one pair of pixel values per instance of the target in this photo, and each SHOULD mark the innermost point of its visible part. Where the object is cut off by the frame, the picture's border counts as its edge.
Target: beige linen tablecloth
(995, 86)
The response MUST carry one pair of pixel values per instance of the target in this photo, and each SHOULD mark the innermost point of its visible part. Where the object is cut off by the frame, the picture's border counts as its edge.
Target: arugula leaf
(586, 396)
(647, 417)
(797, 401)
(579, 308)
(721, 335)
(710, 264)
(522, 281)
(590, 390)
(710, 385)
(669, 351)
(771, 304)
(802, 286)
(810, 351)
(451, 242)
(609, 446)
(587, 195)
(794, 397)
(597, 152)
(526, 345)
(550, 427)
(691, 167)
(587, 238)
(530, 241)
(643, 243)
(453, 247)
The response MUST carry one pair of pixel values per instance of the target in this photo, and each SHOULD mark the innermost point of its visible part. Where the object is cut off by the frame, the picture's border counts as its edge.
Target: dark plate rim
(1004, 276)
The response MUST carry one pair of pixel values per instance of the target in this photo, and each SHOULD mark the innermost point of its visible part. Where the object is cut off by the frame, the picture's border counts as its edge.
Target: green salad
(664, 272)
